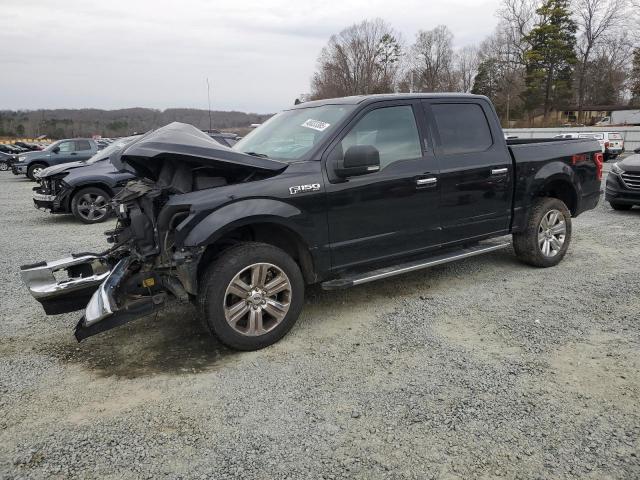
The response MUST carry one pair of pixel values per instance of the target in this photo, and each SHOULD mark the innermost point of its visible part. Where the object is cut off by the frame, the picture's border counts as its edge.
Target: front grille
(631, 180)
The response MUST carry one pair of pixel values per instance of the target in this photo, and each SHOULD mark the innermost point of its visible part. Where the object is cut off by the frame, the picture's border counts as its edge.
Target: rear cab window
(462, 127)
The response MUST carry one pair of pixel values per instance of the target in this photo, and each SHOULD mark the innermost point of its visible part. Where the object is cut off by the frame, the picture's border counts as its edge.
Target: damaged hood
(180, 141)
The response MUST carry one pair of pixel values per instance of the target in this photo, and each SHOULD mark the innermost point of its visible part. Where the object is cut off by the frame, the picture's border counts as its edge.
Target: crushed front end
(147, 264)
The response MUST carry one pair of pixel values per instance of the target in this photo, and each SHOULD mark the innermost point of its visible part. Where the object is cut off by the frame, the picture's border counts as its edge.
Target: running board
(450, 256)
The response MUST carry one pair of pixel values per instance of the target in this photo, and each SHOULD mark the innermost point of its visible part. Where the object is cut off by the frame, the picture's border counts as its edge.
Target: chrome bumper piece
(74, 273)
(102, 303)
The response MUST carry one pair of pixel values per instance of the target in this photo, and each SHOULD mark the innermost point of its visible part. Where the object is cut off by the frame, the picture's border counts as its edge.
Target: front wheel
(4, 166)
(91, 205)
(251, 295)
(547, 234)
(34, 170)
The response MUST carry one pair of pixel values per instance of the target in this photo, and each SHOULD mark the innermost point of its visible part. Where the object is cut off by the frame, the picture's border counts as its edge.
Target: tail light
(598, 159)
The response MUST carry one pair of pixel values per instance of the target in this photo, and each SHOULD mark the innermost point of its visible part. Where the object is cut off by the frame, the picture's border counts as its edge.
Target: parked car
(338, 192)
(5, 161)
(28, 146)
(62, 151)
(11, 149)
(82, 188)
(623, 183)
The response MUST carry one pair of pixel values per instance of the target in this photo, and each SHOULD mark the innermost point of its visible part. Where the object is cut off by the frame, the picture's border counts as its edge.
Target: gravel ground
(480, 369)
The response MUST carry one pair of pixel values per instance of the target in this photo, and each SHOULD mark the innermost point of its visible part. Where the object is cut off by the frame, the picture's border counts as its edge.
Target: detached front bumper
(88, 282)
(65, 285)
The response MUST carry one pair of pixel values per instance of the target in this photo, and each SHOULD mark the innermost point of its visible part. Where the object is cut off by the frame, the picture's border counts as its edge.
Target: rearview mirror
(359, 160)
(56, 149)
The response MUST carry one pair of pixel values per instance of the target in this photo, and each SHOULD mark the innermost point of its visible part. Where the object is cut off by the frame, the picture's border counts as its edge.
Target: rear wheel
(35, 169)
(4, 166)
(620, 206)
(91, 205)
(547, 234)
(251, 296)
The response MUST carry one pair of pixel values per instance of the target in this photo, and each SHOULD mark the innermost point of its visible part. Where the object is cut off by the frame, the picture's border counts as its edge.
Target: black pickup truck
(338, 192)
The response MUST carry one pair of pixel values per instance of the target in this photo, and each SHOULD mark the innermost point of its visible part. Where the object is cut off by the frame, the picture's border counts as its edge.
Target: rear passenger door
(476, 171)
(83, 150)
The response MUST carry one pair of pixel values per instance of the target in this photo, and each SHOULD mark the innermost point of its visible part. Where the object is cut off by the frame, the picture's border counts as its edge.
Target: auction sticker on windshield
(316, 125)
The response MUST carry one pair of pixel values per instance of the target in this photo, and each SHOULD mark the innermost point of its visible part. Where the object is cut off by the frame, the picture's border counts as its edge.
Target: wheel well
(562, 190)
(270, 233)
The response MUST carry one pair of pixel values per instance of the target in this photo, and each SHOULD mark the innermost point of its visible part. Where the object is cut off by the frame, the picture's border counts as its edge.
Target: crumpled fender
(243, 212)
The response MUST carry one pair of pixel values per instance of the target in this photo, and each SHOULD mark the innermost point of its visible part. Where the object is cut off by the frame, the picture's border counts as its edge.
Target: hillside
(65, 123)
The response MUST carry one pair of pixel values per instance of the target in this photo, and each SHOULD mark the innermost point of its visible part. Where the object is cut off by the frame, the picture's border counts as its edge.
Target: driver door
(65, 153)
(391, 212)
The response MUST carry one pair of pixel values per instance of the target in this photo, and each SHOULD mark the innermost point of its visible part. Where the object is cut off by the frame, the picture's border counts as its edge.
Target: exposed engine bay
(147, 264)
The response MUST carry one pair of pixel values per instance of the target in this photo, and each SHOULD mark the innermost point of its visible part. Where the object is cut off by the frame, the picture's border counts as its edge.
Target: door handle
(499, 171)
(424, 182)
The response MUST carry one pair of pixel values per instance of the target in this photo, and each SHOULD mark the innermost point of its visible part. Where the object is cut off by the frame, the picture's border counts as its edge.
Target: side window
(83, 145)
(392, 130)
(66, 147)
(463, 127)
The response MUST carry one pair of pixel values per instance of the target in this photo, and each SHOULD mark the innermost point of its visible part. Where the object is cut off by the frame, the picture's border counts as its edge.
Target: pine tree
(551, 59)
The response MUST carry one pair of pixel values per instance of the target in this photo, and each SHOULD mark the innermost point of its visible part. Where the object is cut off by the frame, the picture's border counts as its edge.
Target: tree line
(69, 123)
(544, 55)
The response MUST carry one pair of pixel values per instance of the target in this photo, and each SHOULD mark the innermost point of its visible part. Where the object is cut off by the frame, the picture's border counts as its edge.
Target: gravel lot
(479, 369)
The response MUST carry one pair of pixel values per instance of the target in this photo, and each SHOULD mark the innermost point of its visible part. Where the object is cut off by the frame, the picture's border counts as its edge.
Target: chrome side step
(450, 256)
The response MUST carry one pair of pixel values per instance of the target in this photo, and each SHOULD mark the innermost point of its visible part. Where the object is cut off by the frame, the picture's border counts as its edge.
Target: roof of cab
(365, 99)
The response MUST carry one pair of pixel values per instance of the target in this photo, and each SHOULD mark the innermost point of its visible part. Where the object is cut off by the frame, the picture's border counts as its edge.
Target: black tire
(213, 296)
(91, 205)
(527, 244)
(33, 168)
(4, 166)
(620, 206)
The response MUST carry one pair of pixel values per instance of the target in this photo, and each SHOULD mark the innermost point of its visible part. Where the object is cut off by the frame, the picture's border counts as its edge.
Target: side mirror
(56, 150)
(359, 160)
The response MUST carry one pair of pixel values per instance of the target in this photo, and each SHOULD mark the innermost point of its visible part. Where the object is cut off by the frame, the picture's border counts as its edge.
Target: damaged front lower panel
(65, 285)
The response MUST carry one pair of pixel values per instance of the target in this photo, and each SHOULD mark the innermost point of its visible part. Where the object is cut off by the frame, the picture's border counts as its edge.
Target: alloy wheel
(552, 232)
(92, 206)
(257, 299)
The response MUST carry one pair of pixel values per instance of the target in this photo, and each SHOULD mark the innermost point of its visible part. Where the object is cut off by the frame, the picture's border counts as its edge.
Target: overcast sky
(258, 55)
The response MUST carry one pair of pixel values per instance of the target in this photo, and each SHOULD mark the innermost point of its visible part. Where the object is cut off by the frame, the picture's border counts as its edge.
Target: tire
(620, 206)
(538, 245)
(91, 205)
(4, 166)
(33, 169)
(251, 326)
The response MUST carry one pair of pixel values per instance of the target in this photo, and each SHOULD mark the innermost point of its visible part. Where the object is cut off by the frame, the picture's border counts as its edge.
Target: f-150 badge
(310, 187)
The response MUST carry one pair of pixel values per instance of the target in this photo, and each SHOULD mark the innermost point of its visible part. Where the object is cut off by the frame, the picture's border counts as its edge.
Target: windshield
(106, 152)
(291, 134)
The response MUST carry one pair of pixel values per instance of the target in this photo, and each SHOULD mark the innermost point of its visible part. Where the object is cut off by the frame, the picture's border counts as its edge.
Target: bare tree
(432, 60)
(517, 19)
(595, 20)
(466, 61)
(362, 59)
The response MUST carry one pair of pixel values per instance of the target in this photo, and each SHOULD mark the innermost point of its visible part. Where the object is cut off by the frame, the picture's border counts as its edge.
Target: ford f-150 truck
(338, 192)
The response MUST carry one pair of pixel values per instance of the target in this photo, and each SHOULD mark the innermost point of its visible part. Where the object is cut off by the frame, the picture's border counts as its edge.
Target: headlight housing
(617, 169)
(22, 158)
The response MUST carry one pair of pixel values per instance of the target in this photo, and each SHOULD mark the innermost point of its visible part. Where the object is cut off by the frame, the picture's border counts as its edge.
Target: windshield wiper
(256, 154)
